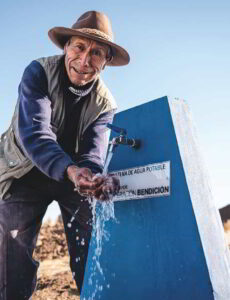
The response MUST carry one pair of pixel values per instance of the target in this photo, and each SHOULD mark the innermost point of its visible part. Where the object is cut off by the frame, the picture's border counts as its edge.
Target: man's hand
(99, 186)
(82, 179)
(108, 186)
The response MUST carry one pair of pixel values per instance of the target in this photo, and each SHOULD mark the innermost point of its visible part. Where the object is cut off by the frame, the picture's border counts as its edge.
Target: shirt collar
(81, 92)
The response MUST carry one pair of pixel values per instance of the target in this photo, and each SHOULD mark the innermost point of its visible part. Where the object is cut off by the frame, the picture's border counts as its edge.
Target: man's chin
(81, 82)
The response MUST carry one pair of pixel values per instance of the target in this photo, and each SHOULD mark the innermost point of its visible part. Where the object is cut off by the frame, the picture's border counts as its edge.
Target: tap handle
(119, 130)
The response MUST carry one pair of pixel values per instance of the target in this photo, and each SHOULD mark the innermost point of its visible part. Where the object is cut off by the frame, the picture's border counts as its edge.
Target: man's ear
(107, 61)
(65, 47)
(104, 66)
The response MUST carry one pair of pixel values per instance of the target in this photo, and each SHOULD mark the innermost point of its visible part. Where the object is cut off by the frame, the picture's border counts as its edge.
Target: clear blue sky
(177, 48)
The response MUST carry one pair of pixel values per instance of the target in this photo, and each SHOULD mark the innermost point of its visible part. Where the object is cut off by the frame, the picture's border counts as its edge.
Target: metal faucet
(122, 139)
(119, 140)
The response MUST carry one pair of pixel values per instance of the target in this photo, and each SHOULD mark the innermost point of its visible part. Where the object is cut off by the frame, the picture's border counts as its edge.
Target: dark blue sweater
(50, 154)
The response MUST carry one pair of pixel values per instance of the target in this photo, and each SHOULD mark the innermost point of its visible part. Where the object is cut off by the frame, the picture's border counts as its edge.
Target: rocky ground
(54, 275)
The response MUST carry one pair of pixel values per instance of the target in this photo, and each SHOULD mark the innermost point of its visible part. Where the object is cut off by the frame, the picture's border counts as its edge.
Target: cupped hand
(82, 180)
(102, 187)
(108, 186)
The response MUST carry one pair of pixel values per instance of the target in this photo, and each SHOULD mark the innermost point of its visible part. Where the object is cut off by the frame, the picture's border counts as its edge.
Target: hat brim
(60, 35)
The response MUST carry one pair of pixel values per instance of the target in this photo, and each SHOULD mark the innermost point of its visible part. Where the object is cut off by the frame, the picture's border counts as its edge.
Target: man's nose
(85, 58)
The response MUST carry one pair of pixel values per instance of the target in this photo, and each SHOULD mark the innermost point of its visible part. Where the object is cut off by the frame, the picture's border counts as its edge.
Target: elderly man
(54, 147)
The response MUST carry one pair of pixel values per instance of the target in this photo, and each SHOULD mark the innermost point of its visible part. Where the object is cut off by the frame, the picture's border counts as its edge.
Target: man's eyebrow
(103, 47)
(98, 44)
(79, 42)
(101, 44)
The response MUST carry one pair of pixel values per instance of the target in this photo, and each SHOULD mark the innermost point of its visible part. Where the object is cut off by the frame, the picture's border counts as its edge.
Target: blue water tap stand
(167, 246)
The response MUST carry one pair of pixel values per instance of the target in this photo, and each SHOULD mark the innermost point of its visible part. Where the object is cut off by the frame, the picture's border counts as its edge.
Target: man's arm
(94, 143)
(37, 139)
(92, 155)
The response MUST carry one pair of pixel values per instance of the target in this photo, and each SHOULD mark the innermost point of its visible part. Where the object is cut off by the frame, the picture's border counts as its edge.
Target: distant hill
(225, 213)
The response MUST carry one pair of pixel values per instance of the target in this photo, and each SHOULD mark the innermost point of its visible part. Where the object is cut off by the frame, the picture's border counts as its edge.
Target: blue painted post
(166, 244)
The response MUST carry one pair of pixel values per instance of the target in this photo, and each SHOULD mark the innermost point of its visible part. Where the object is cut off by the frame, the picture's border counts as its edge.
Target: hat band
(96, 33)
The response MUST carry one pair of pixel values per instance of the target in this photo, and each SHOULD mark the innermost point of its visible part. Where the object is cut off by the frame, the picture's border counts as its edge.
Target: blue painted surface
(154, 251)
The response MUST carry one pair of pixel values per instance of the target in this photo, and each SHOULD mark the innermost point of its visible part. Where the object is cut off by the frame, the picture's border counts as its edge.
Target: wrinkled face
(84, 59)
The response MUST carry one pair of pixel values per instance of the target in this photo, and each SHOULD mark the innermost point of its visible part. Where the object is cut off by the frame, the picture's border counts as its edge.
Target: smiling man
(85, 59)
(55, 145)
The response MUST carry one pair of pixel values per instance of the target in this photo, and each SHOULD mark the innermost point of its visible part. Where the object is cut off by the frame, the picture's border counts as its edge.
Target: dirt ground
(58, 286)
(54, 275)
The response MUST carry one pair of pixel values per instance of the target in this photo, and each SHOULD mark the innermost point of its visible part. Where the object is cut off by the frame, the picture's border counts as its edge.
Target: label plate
(147, 181)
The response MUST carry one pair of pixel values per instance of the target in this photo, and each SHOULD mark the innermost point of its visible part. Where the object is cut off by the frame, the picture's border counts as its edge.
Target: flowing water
(102, 212)
(107, 162)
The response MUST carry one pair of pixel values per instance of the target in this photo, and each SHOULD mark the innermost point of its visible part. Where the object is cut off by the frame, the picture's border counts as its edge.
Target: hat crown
(95, 20)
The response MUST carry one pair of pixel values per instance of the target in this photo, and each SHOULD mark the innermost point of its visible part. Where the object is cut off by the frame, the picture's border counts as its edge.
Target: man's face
(84, 59)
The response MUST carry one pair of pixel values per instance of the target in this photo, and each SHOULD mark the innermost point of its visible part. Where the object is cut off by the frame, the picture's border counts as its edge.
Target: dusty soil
(54, 275)
(58, 286)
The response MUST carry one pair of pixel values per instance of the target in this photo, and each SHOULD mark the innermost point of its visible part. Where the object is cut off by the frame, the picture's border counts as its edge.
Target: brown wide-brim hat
(96, 26)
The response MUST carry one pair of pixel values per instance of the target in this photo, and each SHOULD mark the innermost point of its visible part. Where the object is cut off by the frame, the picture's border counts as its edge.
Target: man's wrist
(71, 172)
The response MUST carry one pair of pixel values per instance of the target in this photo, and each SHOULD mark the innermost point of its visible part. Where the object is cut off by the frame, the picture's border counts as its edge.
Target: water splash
(102, 213)
(73, 218)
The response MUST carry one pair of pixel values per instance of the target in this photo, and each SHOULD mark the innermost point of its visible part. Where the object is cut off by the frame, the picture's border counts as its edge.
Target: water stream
(102, 212)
